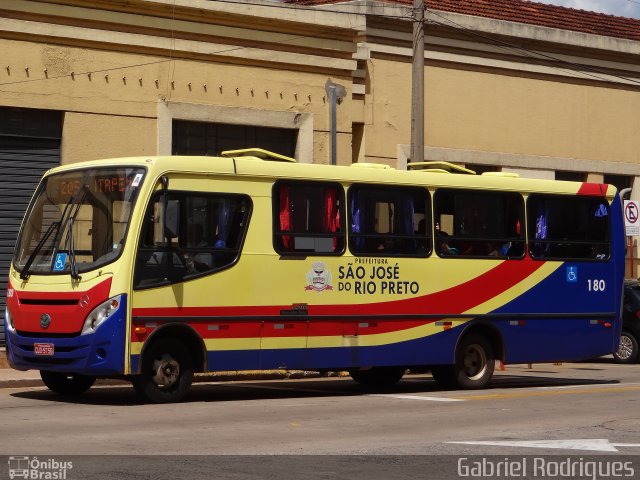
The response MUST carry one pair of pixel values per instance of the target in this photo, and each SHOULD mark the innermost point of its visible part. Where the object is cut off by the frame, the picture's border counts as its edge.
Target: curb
(3, 358)
(199, 378)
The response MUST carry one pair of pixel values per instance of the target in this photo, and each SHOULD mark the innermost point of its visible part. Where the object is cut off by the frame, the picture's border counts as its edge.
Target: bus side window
(212, 228)
(568, 227)
(479, 224)
(308, 218)
(389, 221)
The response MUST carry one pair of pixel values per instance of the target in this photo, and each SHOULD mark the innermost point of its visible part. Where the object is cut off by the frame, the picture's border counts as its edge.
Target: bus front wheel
(473, 367)
(167, 372)
(66, 383)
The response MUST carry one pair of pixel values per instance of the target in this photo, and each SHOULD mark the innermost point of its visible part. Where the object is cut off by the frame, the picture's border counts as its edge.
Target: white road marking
(583, 385)
(587, 444)
(417, 397)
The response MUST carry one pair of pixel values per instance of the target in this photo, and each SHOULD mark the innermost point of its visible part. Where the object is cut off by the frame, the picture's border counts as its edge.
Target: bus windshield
(77, 221)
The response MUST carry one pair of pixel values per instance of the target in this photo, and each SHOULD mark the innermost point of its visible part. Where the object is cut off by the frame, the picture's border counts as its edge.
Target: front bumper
(101, 353)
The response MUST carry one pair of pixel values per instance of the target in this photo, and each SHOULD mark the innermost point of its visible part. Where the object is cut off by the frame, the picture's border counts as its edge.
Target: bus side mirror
(172, 219)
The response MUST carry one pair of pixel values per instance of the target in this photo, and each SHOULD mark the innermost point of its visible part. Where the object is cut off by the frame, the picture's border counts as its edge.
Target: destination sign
(108, 184)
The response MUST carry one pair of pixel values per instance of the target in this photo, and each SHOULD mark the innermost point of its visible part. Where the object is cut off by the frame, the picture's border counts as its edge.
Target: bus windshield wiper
(73, 267)
(72, 253)
(24, 275)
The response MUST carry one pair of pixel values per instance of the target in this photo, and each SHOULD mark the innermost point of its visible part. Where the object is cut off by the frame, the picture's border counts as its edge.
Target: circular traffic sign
(631, 212)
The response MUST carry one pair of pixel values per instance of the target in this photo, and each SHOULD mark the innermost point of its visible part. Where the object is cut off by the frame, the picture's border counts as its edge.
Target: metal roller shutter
(29, 146)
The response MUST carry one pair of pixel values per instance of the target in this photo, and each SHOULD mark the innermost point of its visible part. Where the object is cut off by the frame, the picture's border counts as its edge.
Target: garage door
(29, 146)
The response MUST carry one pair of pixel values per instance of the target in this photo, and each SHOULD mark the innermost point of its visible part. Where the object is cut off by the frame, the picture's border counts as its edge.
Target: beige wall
(494, 112)
(474, 104)
(532, 116)
(103, 92)
(111, 76)
(90, 137)
(131, 95)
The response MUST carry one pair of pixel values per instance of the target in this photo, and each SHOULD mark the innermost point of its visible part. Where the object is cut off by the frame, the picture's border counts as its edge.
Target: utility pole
(417, 84)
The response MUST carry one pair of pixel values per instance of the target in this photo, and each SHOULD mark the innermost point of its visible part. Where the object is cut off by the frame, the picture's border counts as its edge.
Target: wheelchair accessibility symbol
(572, 274)
(61, 260)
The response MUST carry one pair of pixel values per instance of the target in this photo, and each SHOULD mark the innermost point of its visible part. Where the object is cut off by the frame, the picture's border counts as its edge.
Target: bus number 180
(596, 285)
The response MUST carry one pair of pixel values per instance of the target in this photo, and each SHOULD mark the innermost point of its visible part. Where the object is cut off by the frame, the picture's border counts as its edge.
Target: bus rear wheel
(167, 372)
(378, 377)
(66, 383)
(473, 367)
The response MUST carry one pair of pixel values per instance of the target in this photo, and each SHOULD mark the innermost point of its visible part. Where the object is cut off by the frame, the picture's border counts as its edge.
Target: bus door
(184, 277)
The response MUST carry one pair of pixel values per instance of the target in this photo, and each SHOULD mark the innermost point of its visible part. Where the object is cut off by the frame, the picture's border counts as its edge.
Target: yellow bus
(157, 268)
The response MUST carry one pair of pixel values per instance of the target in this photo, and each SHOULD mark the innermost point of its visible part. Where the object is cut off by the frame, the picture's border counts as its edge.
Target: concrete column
(595, 177)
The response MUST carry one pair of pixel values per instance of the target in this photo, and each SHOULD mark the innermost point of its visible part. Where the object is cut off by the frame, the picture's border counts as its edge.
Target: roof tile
(529, 12)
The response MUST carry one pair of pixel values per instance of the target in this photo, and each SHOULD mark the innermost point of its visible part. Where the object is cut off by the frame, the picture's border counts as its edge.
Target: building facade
(90, 79)
(510, 85)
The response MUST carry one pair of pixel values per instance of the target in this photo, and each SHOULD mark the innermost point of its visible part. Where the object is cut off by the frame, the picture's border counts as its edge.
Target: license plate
(45, 349)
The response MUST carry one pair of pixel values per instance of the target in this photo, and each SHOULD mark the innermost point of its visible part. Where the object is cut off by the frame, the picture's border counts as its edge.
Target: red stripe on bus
(593, 189)
(455, 300)
(296, 328)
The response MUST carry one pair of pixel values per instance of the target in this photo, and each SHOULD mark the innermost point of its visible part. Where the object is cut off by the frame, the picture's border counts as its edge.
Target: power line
(315, 8)
(240, 2)
(570, 66)
(578, 68)
(171, 57)
(111, 69)
(634, 1)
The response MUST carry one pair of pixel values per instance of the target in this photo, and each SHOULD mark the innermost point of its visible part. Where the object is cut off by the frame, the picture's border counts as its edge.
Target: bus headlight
(9, 320)
(100, 314)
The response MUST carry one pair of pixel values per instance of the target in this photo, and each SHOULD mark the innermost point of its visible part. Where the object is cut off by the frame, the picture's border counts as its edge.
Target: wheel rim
(474, 362)
(625, 348)
(166, 371)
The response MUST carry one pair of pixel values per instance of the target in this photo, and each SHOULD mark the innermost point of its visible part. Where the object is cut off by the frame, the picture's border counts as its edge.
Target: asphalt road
(579, 409)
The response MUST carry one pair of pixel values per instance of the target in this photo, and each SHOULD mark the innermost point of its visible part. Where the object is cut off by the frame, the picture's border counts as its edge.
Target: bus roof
(253, 166)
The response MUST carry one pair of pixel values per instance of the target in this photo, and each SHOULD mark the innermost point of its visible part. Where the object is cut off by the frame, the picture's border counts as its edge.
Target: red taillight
(638, 314)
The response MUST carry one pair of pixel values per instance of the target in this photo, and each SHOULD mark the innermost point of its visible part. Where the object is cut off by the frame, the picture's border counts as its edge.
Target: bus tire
(473, 367)
(378, 377)
(627, 349)
(475, 362)
(66, 383)
(167, 372)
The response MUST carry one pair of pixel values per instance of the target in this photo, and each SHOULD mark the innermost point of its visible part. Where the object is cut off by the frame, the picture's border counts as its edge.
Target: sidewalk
(10, 378)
